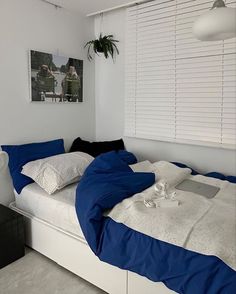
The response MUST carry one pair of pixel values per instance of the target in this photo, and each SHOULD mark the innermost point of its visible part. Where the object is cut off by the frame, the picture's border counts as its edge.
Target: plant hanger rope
(101, 22)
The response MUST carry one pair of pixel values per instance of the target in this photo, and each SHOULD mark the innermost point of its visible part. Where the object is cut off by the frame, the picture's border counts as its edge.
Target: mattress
(57, 209)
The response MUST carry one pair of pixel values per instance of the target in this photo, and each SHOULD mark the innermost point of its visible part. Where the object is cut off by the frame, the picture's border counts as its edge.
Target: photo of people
(55, 78)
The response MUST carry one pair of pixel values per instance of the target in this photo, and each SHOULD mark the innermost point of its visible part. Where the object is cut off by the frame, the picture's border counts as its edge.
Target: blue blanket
(107, 181)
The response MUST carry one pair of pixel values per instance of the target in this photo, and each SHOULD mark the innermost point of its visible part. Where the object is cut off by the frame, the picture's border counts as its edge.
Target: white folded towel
(170, 173)
(142, 166)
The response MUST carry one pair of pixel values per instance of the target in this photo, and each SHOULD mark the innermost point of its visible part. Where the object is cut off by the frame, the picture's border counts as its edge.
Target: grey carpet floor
(36, 274)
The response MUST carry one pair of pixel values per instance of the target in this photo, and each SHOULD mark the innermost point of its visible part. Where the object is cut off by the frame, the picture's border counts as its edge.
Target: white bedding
(199, 224)
(57, 209)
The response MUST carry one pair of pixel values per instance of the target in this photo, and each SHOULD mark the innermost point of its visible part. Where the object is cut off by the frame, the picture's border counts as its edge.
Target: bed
(65, 244)
(55, 232)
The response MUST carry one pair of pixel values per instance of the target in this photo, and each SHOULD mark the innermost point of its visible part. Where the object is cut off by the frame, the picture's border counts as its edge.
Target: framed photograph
(55, 78)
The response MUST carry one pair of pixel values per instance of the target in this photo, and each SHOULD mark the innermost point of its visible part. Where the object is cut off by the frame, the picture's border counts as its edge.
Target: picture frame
(55, 78)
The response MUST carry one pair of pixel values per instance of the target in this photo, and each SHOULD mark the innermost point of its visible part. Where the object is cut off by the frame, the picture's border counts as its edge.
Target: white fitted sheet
(57, 209)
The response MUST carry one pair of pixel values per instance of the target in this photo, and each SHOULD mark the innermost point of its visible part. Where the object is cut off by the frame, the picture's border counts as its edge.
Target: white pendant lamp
(217, 24)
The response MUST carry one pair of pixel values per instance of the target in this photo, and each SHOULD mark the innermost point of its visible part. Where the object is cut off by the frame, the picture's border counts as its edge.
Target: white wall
(32, 24)
(109, 88)
(109, 80)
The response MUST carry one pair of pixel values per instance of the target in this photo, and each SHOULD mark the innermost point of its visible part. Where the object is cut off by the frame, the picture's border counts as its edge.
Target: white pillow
(55, 172)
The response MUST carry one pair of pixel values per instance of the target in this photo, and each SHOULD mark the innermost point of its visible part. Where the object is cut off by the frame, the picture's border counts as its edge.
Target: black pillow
(96, 148)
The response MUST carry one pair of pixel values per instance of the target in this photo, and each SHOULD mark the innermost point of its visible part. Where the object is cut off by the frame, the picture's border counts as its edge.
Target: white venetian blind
(178, 88)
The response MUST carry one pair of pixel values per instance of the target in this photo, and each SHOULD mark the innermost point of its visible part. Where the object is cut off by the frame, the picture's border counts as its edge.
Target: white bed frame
(72, 252)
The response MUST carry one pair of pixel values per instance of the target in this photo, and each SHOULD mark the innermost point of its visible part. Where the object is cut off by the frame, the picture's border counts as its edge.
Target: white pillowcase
(55, 172)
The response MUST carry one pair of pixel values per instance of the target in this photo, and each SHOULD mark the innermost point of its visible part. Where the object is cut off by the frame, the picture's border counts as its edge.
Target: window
(178, 89)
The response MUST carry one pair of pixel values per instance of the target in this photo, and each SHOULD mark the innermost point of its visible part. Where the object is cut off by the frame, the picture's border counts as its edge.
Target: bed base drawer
(140, 285)
(74, 255)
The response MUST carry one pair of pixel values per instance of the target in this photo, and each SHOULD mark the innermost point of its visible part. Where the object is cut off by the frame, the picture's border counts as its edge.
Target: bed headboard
(6, 187)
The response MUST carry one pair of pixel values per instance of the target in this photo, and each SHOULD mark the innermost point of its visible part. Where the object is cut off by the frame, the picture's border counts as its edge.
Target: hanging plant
(104, 44)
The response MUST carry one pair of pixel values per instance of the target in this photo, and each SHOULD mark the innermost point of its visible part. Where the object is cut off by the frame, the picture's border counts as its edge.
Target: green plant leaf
(117, 51)
(88, 54)
(88, 43)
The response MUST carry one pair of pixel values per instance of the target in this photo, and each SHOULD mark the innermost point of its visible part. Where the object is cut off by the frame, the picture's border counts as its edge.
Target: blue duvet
(107, 181)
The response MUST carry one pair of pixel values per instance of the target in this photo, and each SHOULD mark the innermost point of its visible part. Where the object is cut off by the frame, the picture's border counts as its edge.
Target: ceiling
(89, 6)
